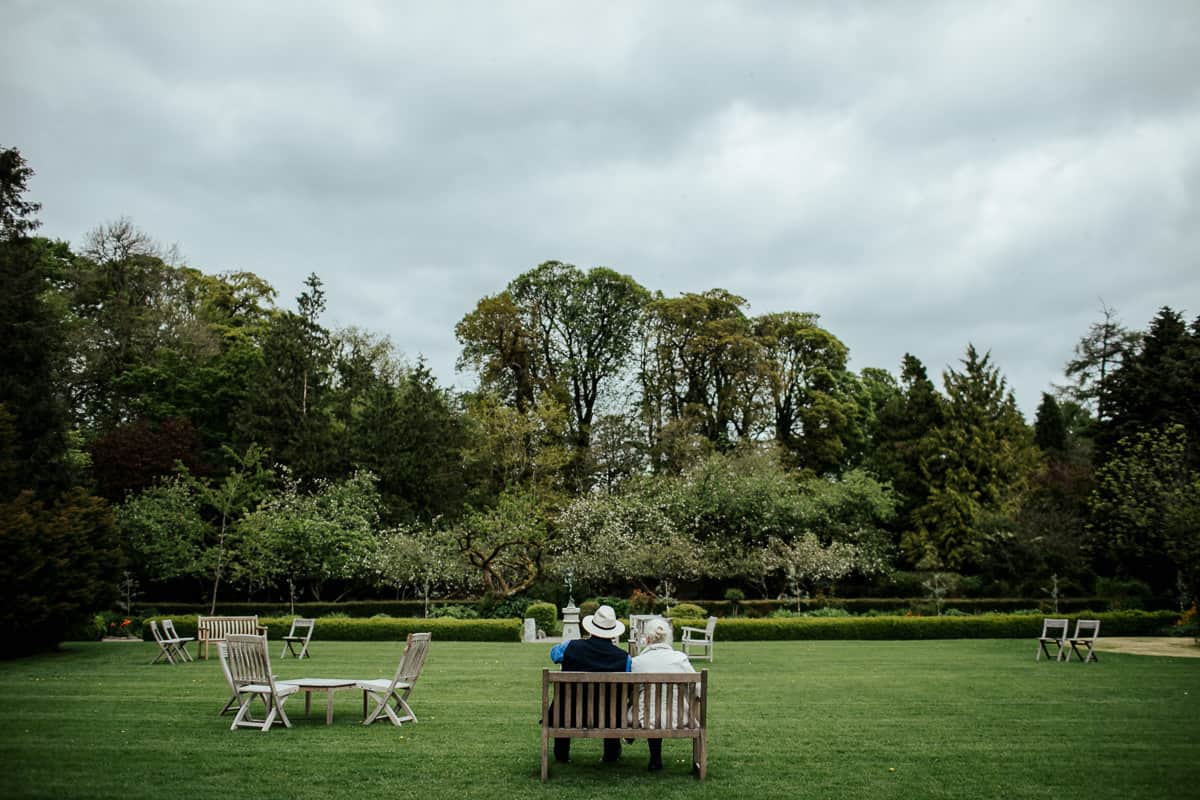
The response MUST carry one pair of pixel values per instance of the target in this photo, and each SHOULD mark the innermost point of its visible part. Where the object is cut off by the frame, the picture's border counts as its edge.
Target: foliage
(16, 213)
(688, 611)
(453, 612)
(61, 562)
(164, 533)
(506, 543)
(1146, 506)
(976, 626)
(425, 560)
(546, 616)
(979, 459)
(310, 538)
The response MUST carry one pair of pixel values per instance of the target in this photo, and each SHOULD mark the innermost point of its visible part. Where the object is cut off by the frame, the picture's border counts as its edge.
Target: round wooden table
(327, 685)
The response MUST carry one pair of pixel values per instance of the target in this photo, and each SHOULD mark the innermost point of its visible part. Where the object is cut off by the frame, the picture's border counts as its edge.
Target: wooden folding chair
(384, 692)
(223, 657)
(1054, 632)
(167, 648)
(1087, 631)
(168, 627)
(301, 632)
(701, 638)
(250, 671)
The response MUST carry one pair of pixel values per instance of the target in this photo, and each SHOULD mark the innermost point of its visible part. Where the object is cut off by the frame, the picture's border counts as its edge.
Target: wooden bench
(215, 629)
(638, 705)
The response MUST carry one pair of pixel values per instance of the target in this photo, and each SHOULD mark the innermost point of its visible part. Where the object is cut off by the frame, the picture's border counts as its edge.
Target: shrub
(688, 611)
(642, 602)
(511, 607)
(588, 607)
(828, 611)
(619, 604)
(453, 612)
(545, 615)
(980, 626)
(1124, 594)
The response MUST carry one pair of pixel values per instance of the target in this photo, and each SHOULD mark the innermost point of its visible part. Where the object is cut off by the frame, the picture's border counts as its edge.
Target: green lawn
(930, 719)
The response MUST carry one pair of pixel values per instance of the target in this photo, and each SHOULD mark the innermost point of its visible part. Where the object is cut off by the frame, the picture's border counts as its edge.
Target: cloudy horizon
(922, 176)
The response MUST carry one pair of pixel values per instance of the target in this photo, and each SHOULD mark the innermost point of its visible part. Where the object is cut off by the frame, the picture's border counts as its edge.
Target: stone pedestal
(529, 632)
(570, 622)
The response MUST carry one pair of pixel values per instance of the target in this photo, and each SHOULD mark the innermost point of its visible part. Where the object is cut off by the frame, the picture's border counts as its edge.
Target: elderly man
(599, 653)
(659, 656)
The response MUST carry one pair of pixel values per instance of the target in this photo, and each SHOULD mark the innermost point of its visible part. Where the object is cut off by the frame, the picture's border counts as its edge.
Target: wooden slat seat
(210, 630)
(643, 705)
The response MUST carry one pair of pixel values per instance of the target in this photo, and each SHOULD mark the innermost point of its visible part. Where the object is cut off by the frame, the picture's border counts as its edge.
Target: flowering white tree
(424, 560)
(628, 538)
(804, 561)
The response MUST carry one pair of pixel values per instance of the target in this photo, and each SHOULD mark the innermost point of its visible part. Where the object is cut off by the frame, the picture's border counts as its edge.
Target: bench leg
(545, 754)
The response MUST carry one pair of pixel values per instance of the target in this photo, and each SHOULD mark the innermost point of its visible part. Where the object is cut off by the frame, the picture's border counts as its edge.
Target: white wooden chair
(1054, 632)
(301, 632)
(168, 648)
(383, 692)
(699, 638)
(250, 673)
(223, 657)
(168, 627)
(1087, 631)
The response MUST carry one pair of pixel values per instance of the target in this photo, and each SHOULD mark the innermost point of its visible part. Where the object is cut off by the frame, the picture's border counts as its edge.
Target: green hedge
(860, 605)
(351, 608)
(720, 608)
(341, 629)
(981, 626)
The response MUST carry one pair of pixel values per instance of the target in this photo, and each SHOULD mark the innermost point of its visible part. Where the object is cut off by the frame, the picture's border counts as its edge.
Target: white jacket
(660, 658)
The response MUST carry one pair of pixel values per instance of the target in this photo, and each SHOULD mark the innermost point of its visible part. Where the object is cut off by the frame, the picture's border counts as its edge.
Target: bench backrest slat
(624, 701)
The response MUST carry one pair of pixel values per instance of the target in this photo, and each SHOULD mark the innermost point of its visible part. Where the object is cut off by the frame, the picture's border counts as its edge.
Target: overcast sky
(922, 175)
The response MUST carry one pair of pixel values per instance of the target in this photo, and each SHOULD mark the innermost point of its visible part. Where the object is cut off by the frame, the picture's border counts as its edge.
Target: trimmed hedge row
(981, 626)
(859, 605)
(720, 608)
(351, 608)
(341, 629)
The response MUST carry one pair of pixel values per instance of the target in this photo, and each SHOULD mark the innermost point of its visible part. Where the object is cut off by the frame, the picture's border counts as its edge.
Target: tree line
(182, 433)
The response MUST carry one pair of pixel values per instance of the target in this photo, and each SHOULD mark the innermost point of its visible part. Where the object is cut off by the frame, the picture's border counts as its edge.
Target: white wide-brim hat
(604, 623)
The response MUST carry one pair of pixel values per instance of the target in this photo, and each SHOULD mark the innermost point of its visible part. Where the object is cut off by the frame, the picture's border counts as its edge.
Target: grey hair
(657, 630)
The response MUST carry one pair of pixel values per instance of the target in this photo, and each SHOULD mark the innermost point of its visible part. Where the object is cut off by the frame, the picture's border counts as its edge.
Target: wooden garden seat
(300, 634)
(384, 692)
(638, 705)
(701, 638)
(168, 627)
(1054, 632)
(1087, 631)
(210, 630)
(168, 648)
(250, 670)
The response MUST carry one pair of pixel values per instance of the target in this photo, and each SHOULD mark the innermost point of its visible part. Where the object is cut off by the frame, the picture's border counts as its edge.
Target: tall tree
(32, 349)
(555, 332)
(1097, 355)
(805, 370)
(1156, 385)
(980, 459)
(1049, 427)
(701, 365)
(903, 439)
(1146, 509)
(17, 218)
(290, 412)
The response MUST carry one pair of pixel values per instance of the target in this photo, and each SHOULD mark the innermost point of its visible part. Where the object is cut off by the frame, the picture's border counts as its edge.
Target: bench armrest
(687, 629)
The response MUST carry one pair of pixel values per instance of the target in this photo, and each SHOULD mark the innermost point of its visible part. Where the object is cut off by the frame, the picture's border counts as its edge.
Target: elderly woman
(659, 656)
